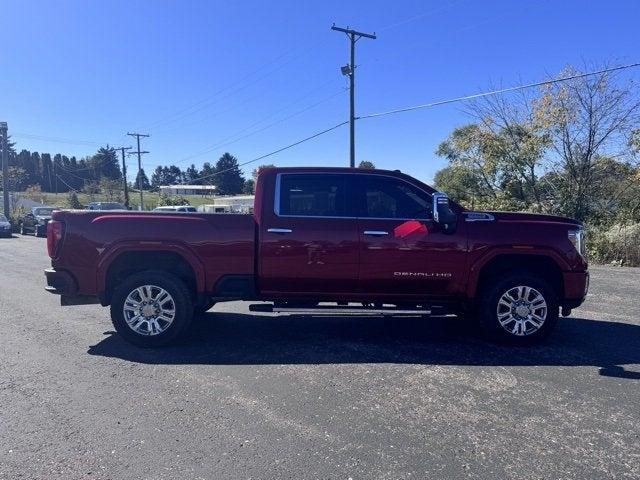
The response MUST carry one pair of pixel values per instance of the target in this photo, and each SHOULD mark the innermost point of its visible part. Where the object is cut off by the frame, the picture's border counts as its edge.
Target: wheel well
(128, 263)
(539, 265)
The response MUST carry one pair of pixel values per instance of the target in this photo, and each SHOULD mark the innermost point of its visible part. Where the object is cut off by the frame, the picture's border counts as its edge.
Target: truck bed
(216, 245)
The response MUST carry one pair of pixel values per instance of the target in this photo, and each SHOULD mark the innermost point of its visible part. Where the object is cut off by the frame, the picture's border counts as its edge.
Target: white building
(203, 190)
(229, 204)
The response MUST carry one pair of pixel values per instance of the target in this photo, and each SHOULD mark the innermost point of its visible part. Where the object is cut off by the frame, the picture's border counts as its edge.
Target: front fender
(479, 263)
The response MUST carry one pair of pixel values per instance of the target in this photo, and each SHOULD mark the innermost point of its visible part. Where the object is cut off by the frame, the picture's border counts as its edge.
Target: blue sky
(262, 74)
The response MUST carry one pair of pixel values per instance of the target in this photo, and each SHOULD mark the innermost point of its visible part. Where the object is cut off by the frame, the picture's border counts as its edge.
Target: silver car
(5, 226)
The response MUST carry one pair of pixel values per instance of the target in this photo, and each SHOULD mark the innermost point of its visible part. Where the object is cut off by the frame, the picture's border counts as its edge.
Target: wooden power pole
(350, 70)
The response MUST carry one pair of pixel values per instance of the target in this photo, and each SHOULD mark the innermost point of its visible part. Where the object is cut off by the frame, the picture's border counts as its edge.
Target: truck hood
(521, 217)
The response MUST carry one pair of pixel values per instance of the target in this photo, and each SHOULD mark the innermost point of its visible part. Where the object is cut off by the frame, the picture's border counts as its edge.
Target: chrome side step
(338, 310)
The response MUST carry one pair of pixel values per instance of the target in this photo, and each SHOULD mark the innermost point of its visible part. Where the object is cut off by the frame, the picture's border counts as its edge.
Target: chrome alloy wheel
(149, 310)
(522, 310)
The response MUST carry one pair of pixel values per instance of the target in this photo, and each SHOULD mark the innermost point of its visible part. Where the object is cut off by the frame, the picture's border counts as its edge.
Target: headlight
(576, 237)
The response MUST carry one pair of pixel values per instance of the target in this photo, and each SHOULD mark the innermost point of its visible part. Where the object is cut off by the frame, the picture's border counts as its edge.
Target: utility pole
(124, 176)
(139, 153)
(350, 70)
(4, 144)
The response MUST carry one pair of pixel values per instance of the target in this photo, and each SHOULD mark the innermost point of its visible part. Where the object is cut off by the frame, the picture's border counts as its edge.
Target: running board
(338, 310)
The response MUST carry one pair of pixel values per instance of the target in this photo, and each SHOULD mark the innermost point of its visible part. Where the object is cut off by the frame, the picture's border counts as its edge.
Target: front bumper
(576, 286)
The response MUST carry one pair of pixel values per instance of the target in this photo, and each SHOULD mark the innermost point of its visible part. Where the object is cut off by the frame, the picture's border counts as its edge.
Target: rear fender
(109, 256)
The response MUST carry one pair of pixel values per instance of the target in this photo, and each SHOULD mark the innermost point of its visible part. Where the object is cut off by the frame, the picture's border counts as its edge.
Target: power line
(68, 186)
(233, 107)
(497, 92)
(31, 136)
(224, 141)
(262, 157)
(419, 16)
(211, 101)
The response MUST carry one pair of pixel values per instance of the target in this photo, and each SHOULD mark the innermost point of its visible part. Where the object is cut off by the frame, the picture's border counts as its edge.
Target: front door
(309, 240)
(403, 252)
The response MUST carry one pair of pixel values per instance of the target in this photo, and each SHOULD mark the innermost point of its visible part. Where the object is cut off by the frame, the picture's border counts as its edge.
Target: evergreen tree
(367, 165)
(228, 179)
(191, 174)
(142, 177)
(157, 177)
(207, 174)
(105, 163)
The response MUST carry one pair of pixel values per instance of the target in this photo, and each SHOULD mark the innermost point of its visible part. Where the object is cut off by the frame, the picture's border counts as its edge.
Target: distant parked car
(106, 206)
(176, 208)
(5, 226)
(36, 221)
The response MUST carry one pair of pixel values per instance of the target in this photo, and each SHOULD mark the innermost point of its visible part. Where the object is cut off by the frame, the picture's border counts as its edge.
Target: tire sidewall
(181, 297)
(491, 296)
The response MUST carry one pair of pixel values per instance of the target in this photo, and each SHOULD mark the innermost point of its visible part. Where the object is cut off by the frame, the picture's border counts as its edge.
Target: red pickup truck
(323, 240)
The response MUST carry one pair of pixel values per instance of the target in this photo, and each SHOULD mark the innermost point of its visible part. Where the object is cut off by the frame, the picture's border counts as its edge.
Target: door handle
(279, 230)
(375, 233)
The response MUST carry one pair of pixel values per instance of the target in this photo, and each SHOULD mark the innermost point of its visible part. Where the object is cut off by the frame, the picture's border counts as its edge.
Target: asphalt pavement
(265, 396)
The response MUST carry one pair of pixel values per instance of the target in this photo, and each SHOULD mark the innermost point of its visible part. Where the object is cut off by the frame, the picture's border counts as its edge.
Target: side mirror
(442, 213)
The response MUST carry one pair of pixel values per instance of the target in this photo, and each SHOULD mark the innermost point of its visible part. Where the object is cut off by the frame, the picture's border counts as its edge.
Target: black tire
(181, 299)
(526, 332)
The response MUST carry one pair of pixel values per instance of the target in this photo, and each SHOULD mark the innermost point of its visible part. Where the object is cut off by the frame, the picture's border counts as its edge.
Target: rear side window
(312, 195)
(393, 198)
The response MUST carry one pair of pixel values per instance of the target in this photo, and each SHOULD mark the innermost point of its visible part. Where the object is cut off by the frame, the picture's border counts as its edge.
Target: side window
(392, 198)
(312, 195)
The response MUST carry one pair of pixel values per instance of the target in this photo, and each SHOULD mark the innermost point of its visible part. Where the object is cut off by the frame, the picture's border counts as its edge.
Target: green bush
(618, 244)
(171, 200)
(73, 202)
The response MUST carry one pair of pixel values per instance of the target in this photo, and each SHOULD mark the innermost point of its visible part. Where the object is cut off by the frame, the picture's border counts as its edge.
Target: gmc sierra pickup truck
(322, 240)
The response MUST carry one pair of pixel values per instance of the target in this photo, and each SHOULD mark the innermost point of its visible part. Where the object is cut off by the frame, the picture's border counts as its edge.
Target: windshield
(43, 211)
(3, 218)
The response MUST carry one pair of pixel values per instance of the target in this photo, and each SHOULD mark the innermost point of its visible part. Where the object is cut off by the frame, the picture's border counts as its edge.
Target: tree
(157, 177)
(583, 118)
(367, 165)
(249, 186)
(256, 171)
(207, 174)
(105, 164)
(228, 179)
(111, 189)
(141, 177)
(72, 201)
(16, 177)
(191, 174)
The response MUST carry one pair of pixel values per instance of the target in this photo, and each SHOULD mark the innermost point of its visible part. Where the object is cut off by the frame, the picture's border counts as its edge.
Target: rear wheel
(151, 309)
(519, 309)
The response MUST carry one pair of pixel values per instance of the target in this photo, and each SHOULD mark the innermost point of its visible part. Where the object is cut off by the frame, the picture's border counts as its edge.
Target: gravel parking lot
(266, 396)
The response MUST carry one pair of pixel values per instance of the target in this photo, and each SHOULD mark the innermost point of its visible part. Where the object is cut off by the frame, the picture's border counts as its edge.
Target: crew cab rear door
(403, 252)
(309, 236)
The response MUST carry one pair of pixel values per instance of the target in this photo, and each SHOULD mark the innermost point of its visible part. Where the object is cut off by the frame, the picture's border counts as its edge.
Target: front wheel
(151, 309)
(519, 309)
